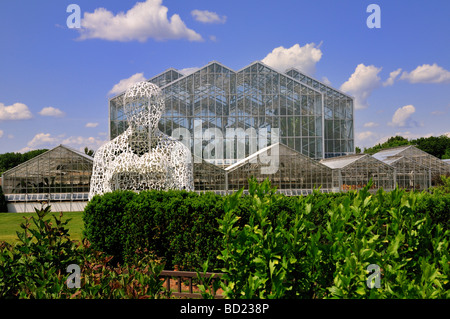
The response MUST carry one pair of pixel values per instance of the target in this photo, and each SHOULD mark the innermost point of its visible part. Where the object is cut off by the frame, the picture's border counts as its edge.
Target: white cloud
(41, 139)
(187, 71)
(16, 111)
(366, 138)
(124, 84)
(402, 116)
(1, 133)
(366, 135)
(361, 84)
(392, 76)
(326, 81)
(46, 140)
(80, 142)
(145, 20)
(427, 73)
(90, 124)
(371, 124)
(206, 16)
(51, 111)
(302, 58)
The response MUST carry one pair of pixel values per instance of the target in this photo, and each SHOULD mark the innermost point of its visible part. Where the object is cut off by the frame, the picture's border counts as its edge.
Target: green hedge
(182, 229)
(177, 226)
(297, 254)
(103, 222)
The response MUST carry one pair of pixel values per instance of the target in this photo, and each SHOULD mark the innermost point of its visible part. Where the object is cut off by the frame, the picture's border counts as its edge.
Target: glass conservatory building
(225, 117)
(60, 176)
(417, 161)
(353, 172)
(312, 118)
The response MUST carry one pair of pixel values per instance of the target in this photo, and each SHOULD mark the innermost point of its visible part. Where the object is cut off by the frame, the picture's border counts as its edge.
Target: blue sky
(55, 81)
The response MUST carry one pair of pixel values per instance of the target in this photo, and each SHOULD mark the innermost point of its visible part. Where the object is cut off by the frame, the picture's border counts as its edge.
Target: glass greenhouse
(208, 177)
(60, 175)
(409, 174)
(353, 172)
(435, 166)
(215, 101)
(338, 116)
(291, 172)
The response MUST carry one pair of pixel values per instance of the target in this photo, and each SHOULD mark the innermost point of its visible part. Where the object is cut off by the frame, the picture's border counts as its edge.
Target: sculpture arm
(182, 168)
(98, 174)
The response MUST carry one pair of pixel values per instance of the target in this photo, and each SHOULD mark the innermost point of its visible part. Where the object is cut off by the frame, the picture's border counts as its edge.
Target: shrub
(177, 226)
(3, 206)
(292, 257)
(273, 246)
(33, 268)
(36, 267)
(274, 255)
(103, 222)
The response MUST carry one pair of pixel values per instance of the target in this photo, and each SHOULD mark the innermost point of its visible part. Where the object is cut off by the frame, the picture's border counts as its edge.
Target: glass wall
(436, 166)
(338, 116)
(208, 177)
(409, 174)
(218, 103)
(353, 172)
(58, 174)
(288, 170)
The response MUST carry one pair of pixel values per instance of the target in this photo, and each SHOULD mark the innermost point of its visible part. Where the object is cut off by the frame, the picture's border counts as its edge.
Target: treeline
(10, 160)
(438, 146)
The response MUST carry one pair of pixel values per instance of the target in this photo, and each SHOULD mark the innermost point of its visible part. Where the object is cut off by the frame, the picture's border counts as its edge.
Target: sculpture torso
(141, 158)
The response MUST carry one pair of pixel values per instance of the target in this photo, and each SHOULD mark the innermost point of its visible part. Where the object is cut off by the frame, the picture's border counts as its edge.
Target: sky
(58, 69)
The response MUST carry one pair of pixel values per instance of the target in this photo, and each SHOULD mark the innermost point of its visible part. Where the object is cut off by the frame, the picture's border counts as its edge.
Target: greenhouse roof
(52, 160)
(396, 159)
(394, 151)
(342, 161)
(251, 157)
(282, 150)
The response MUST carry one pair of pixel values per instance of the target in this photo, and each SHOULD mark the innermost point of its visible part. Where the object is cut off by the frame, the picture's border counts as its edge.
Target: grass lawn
(10, 223)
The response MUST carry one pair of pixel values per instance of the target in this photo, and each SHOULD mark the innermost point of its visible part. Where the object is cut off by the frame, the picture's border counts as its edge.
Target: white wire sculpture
(142, 157)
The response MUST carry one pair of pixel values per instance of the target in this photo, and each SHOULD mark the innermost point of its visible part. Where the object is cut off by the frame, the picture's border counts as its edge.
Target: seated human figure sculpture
(142, 157)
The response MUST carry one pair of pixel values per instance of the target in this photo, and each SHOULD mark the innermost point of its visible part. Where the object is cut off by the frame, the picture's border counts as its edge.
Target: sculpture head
(143, 105)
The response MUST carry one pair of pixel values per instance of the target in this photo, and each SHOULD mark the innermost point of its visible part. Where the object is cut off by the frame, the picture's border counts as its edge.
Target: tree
(434, 145)
(438, 146)
(3, 206)
(447, 154)
(391, 142)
